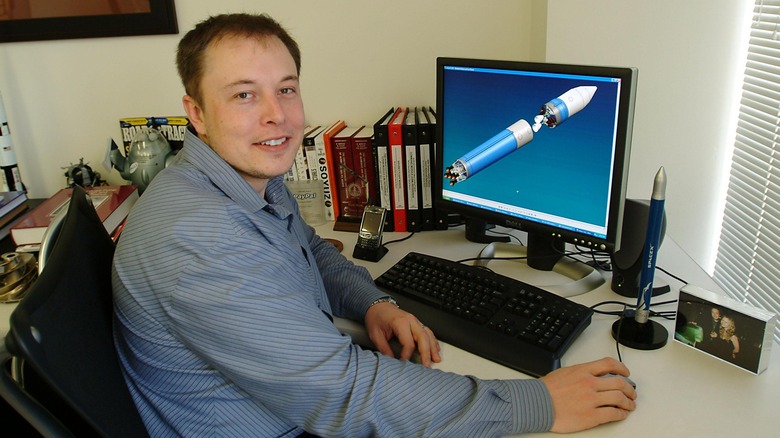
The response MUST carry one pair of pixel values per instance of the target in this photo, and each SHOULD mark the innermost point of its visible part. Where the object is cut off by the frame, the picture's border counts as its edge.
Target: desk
(682, 393)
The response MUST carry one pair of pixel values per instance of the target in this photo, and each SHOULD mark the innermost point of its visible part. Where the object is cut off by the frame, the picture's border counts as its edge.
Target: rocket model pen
(650, 253)
(519, 134)
(12, 179)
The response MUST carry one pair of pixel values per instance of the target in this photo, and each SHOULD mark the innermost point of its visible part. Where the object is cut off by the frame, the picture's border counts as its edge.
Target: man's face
(251, 112)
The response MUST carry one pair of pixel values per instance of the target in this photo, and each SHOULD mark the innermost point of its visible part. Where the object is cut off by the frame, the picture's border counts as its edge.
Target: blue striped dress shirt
(223, 306)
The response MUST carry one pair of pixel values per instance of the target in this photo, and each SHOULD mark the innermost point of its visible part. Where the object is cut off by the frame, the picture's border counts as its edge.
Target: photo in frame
(724, 328)
(36, 20)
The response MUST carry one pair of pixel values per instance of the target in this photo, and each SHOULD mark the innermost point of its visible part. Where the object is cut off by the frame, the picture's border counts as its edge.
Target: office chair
(72, 384)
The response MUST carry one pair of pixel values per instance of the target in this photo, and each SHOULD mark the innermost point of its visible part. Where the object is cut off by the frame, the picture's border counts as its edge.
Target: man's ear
(194, 113)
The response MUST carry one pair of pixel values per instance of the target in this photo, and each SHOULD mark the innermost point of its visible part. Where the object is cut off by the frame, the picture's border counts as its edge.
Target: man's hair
(192, 48)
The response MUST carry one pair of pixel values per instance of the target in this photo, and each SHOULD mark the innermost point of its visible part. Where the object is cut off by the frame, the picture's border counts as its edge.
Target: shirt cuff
(533, 406)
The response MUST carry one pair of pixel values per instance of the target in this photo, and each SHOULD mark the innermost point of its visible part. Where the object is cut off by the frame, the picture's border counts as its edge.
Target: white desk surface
(682, 392)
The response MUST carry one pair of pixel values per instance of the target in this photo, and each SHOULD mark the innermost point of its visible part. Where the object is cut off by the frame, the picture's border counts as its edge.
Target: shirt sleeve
(350, 288)
(245, 304)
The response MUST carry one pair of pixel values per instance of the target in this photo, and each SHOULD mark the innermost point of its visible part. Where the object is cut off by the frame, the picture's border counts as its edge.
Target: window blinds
(748, 260)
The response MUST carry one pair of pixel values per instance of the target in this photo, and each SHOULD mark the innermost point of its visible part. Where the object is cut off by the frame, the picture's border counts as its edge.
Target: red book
(365, 172)
(397, 165)
(329, 186)
(112, 203)
(341, 145)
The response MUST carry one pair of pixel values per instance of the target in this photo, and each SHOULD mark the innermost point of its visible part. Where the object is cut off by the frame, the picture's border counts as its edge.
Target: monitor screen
(536, 146)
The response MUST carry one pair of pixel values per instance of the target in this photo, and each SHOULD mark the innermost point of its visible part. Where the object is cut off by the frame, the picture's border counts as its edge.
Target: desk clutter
(388, 164)
(112, 203)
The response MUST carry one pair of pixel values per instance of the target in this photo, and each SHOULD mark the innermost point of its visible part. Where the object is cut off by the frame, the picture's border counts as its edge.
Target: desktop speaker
(626, 262)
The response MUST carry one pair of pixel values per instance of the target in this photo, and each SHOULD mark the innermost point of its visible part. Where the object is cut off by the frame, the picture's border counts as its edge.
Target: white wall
(690, 56)
(64, 98)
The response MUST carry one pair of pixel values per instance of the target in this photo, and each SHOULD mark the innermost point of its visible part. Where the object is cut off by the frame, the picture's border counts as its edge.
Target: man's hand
(385, 321)
(582, 399)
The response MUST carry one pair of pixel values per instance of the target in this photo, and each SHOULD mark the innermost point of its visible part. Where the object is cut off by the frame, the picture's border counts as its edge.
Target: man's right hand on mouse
(582, 399)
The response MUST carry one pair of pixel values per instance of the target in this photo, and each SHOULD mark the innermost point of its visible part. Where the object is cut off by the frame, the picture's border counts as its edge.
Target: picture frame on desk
(724, 329)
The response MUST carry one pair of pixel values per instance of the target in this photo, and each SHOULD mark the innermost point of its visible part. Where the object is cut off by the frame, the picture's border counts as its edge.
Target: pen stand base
(640, 336)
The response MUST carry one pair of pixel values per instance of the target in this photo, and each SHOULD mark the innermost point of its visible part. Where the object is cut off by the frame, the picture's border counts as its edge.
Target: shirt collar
(224, 177)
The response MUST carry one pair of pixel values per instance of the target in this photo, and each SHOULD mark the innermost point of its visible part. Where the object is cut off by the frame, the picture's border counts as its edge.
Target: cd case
(724, 328)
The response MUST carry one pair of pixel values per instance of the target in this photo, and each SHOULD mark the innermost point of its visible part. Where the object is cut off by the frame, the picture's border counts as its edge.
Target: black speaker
(626, 263)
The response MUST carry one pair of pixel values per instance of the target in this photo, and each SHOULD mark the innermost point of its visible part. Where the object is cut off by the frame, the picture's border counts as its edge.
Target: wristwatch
(387, 299)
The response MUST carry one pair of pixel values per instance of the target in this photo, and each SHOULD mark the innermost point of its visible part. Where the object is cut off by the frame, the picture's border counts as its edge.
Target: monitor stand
(584, 278)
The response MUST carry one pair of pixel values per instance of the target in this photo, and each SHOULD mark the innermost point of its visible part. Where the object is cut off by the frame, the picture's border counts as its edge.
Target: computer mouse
(630, 382)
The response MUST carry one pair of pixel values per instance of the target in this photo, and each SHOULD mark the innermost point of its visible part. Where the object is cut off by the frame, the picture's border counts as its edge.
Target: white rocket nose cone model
(519, 134)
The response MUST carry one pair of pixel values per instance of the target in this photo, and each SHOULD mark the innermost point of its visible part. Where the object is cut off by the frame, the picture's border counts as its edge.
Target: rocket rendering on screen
(518, 134)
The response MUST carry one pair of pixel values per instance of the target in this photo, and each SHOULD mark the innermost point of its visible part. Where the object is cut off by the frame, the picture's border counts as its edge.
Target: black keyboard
(499, 318)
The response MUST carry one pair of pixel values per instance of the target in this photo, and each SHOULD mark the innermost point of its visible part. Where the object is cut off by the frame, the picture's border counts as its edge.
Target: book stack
(12, 205)
(389, 164)
(112, 203)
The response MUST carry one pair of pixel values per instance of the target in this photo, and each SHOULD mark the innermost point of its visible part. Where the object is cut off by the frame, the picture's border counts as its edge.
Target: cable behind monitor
(584, 278)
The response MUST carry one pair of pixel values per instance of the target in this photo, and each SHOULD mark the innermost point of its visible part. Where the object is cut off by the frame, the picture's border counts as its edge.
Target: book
(306, 158)
(426, 168)
(9, 202)
(310, 152)
(325, 168)
(363, 160)
(299, 170)
(441, 221)
(12, 219)
(11, 215)
(12, 205)
(172, 128)
(129, 127)
(397, 178)
(382, 165)
(112, 203)
(412, 170)
(342, 147)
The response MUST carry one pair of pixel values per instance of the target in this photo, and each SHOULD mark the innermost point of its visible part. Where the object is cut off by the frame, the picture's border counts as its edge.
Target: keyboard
(499, 318)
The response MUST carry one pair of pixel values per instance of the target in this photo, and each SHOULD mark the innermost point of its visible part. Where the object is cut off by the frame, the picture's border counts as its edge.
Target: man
(224, 297)
(714, 322)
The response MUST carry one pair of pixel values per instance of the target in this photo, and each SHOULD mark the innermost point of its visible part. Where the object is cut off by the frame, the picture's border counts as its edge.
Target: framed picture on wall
(35, 20)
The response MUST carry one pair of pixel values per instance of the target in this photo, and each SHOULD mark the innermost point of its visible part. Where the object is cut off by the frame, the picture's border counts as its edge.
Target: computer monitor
(539, 147)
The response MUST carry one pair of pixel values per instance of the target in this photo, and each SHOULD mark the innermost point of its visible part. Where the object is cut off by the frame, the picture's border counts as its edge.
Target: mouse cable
(617, 334)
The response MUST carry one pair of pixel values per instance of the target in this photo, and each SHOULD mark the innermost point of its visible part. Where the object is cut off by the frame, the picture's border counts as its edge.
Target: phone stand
(370, 254)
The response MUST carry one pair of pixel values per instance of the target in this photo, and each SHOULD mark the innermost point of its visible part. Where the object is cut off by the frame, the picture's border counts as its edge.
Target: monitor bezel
(627, 97)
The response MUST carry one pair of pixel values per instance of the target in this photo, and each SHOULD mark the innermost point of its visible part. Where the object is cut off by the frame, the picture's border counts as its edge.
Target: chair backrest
(63, 328)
